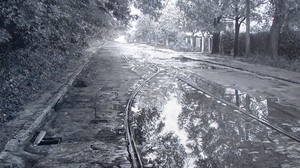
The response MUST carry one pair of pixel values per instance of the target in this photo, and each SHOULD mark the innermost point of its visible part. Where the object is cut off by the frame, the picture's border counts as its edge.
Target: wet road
(90, 118)
(183, 118)
(190, 114)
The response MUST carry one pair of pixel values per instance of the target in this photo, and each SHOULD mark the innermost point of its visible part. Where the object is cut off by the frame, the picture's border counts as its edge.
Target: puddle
(182, 58)
(196, 65)
(206, 66)
(40, 138)
(80, 83)
(179, 126)
(50, 141)
(262, 107)
(98, 121)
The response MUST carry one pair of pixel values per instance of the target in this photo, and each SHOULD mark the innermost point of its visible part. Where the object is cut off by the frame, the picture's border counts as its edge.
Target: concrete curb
(15, 144)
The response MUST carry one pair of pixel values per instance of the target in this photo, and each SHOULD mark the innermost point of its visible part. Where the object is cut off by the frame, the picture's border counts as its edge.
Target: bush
(289, 45)
(227, 42)
(259, 43)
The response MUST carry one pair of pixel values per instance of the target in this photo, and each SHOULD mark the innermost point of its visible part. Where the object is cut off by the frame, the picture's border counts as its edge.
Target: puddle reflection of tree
(225, 145)
(256, 106)
(160, 149)
(168, 151)
(217, 136)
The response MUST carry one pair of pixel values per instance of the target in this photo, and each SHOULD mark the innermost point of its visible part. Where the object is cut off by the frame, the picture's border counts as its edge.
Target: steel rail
(132, 147)
(259, 75)
(241, 111)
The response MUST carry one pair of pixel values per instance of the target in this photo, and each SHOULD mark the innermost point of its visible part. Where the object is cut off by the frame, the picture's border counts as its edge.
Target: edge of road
(261, 70)
(10, 152)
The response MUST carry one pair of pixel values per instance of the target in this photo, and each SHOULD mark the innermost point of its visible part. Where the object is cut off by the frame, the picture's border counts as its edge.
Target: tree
(168, 23)
(39, 37)
(162, 30)
(207, 15)
(278, 19)
(151, 8)
(283, 12)
(238, 13)
(145, 28)
(247, 27)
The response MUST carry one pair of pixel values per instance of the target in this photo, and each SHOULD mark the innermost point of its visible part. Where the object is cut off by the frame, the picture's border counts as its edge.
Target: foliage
(151, 8)
(168, 23)
(288, 49)
(283, 13)
(204, 15)
(199, 14)
(259, 43)
(39, 38)
(145, 28)
(165, 29)
(289, 44)
(227, 41)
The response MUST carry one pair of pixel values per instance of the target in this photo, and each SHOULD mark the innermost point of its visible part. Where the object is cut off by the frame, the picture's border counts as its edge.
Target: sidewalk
(89, 120)
(263, 70)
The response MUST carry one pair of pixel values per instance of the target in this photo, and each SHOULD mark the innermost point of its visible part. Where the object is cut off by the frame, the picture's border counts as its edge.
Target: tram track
(259, 75)
(233, 106)
(132, 147)
(238, 109)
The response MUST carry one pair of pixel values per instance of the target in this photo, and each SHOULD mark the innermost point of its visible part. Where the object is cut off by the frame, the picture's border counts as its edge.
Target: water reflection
(257, 106)
(180, 127)
(261, 107)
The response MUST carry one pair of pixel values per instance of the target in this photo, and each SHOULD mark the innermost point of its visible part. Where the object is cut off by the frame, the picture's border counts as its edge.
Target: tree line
(272, 24)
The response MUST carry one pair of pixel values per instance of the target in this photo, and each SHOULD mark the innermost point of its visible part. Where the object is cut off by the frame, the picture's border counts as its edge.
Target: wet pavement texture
(90, 119)
(189, 115)
(178, 125)
(256, 80)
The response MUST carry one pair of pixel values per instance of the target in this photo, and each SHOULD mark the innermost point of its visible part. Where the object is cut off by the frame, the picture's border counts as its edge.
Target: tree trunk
(247, 28)
(221, 45)
(278, 20)
(237, 98)
(236, 28)
(236, 37)
(248, 102)
(216, 42)
(216, 36)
